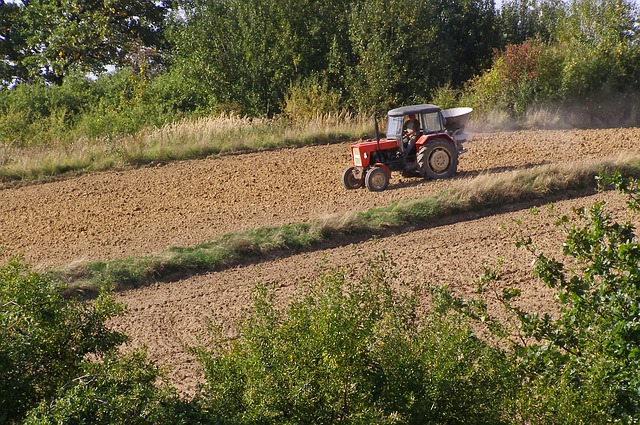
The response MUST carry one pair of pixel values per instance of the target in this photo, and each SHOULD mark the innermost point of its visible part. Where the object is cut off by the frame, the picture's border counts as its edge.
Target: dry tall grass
(186, 139)
(485, 191)
(546, 179)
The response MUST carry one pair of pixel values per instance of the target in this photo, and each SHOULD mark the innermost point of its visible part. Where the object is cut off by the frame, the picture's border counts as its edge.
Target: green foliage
(35, 113)
(446, 96)
(58, 361)
(178, 96)
(10, 40)
(521, 20)
(372, 59)
(582, 364)
(117, 104)
(310, 99)
(49, 39)
(584, 71)
(468, 33)
(595, 341)
(44, 337)
(351, 351)
(522, 76)
(404, 54)
(587, 53)
(386, 51)
(248, 54)
(120, 389)
(299, 57)
(600, 22)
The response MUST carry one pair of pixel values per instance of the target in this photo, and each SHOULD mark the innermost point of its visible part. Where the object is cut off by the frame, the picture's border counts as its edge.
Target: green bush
(589, 55)
(538, 74)
(521, 76)
(37, 114)
(116, 104)
(593, 346)
(446, 96)
(309, 99)
(15, 127)
(352, 351)
(582, 364)
(124, 105)
(119, 390)
(174, 93)
(585, 71)
(44, 337)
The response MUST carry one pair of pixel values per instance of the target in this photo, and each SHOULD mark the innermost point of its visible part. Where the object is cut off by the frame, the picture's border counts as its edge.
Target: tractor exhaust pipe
(375, 129)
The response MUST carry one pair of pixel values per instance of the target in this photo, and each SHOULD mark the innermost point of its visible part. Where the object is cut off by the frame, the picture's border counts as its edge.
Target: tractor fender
(426, 138)
(384, 167)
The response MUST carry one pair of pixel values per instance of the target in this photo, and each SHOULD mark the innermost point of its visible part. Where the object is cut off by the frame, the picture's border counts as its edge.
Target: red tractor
(428, 146)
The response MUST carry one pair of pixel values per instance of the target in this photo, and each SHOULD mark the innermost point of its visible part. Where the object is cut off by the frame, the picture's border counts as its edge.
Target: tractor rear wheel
(377, 179)
(438, 159)
(353, 178)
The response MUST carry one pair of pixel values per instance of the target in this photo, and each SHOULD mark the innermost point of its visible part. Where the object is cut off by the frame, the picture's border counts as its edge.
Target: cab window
(431, 122)
(394, 128)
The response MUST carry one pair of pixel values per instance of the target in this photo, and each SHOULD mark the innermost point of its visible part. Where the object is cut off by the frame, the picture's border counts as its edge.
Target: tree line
(249, 53)
(267, 57)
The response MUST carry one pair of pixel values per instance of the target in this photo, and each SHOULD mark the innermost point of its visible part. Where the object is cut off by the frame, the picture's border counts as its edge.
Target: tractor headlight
(357, 161)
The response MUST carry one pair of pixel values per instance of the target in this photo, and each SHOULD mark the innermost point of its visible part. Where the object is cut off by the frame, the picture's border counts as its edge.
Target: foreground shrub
(59, 363)
(581, 365)
(44, 337)
(120, 390)
(595, 341)
(352, 351)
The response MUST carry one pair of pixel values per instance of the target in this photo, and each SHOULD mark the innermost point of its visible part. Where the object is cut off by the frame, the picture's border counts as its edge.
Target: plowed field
(134, 212)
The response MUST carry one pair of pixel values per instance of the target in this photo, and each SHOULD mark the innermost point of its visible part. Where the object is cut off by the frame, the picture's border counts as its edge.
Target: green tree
(375, 53)
(386, 47)
(521, 20)
(468, 34)
(402, 55)
(48, 39)
(600, 22)
(11, 42)
(605, 33)
(246, 54)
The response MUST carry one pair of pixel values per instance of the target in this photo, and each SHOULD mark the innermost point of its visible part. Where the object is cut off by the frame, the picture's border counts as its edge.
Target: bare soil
(134, 212)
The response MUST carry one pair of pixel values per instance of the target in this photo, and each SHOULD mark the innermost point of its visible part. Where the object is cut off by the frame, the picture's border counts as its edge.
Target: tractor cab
(429, 147)
(430, 120)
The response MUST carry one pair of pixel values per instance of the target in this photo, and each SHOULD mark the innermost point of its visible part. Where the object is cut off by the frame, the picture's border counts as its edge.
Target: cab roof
(413, 109)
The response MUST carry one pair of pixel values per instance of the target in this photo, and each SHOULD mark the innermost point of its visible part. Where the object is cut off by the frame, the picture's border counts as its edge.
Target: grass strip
(482, 192)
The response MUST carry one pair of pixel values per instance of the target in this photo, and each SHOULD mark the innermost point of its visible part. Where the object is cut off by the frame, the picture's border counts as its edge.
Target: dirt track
(119, 214)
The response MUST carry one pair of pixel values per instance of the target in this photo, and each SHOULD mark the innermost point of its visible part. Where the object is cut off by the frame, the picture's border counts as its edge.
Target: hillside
(138, 211)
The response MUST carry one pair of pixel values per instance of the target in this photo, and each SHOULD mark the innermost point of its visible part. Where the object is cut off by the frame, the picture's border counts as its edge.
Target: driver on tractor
(411, 133)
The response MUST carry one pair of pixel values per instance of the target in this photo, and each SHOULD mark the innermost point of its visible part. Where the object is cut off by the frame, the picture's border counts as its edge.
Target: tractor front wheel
(353, 178)
(377, 179)
(438, 159)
